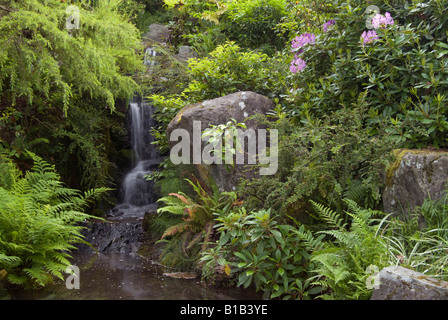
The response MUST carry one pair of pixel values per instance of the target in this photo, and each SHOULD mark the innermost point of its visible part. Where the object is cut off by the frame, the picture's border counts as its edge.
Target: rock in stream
(117, 236)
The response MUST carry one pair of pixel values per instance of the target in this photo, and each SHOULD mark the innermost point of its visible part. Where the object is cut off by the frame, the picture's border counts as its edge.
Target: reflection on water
(130, 277)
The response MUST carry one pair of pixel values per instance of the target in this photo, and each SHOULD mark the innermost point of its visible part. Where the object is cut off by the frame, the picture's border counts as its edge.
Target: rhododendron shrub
(396, 67)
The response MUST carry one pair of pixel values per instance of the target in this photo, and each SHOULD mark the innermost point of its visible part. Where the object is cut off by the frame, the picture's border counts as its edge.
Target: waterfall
(136, 193)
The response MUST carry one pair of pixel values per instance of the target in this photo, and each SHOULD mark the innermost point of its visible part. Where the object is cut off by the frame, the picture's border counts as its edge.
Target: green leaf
(241, 256)
(315, 290)
(442, 45)
(281, 271)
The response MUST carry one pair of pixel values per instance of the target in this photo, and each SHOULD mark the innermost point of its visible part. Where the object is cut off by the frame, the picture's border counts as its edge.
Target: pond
(128, 277)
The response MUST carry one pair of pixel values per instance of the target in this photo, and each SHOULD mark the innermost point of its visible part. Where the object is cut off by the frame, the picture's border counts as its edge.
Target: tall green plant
(51, 65)
(38, 223)
(190, 225)
(323, 160)
(342, 267)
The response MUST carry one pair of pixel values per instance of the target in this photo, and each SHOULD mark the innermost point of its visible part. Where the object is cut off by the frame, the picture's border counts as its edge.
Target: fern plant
(38, 223)
(192, 218)
(343, 263)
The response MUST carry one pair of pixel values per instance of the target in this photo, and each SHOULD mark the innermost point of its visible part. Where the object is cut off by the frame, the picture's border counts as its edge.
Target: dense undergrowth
(349, 86)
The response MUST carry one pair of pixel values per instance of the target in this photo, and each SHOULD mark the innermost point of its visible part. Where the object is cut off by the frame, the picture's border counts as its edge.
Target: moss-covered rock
(414, 176)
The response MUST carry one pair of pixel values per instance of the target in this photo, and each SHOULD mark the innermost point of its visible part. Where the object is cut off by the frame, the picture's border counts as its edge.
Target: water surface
(130, 277)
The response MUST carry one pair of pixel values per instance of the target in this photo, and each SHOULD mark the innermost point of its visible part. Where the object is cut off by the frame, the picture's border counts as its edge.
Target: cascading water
(136, 192)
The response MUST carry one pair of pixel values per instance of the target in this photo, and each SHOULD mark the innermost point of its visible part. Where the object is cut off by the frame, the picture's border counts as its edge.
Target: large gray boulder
(238, 106)
(415, 176)
(398, 283)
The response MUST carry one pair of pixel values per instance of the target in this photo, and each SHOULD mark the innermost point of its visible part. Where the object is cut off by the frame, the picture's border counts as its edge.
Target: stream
(127, 277)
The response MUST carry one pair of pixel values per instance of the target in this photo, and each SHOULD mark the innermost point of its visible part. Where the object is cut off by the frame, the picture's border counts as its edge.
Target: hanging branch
(7, 9)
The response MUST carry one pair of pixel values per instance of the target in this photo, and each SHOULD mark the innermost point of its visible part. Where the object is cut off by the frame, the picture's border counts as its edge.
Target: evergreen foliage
(39, 220)
(60, 86)
(48, 64)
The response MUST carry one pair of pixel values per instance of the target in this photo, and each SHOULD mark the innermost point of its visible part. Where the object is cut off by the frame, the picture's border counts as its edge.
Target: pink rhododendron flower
(380, 21)
(302, 40)
(369, 37)
(297, 65)
(328, 24)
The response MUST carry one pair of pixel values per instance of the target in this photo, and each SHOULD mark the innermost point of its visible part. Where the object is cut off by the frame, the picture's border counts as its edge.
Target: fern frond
(9, 261)
(330, 216)
(314, 243)
(356, 191)
(38, 225)
(19, 279)
(178, 228)
(349, 239)
(361, 217)
(172, 205)
(333, 267)
(37, 273)
(182, 198)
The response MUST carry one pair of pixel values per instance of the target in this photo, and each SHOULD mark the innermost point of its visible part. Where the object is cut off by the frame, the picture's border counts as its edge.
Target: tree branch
(7, 9)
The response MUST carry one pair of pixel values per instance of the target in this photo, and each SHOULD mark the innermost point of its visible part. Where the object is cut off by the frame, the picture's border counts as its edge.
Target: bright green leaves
(252, 23)
(38, 224)
(41, 60)
(230, 69)
(262, 253)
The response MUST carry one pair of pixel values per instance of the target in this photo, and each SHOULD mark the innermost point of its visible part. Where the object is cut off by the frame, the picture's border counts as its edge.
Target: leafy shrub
(305, 16)
(259, 251)
(38, 223)
(323, 160)
(402, 72)
(252, 23)
(229, 69)
(165, 109)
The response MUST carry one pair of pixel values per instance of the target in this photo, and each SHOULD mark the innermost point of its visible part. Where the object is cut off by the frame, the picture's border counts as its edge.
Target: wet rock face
(113, 237)
(417, 176)
(398, 283)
